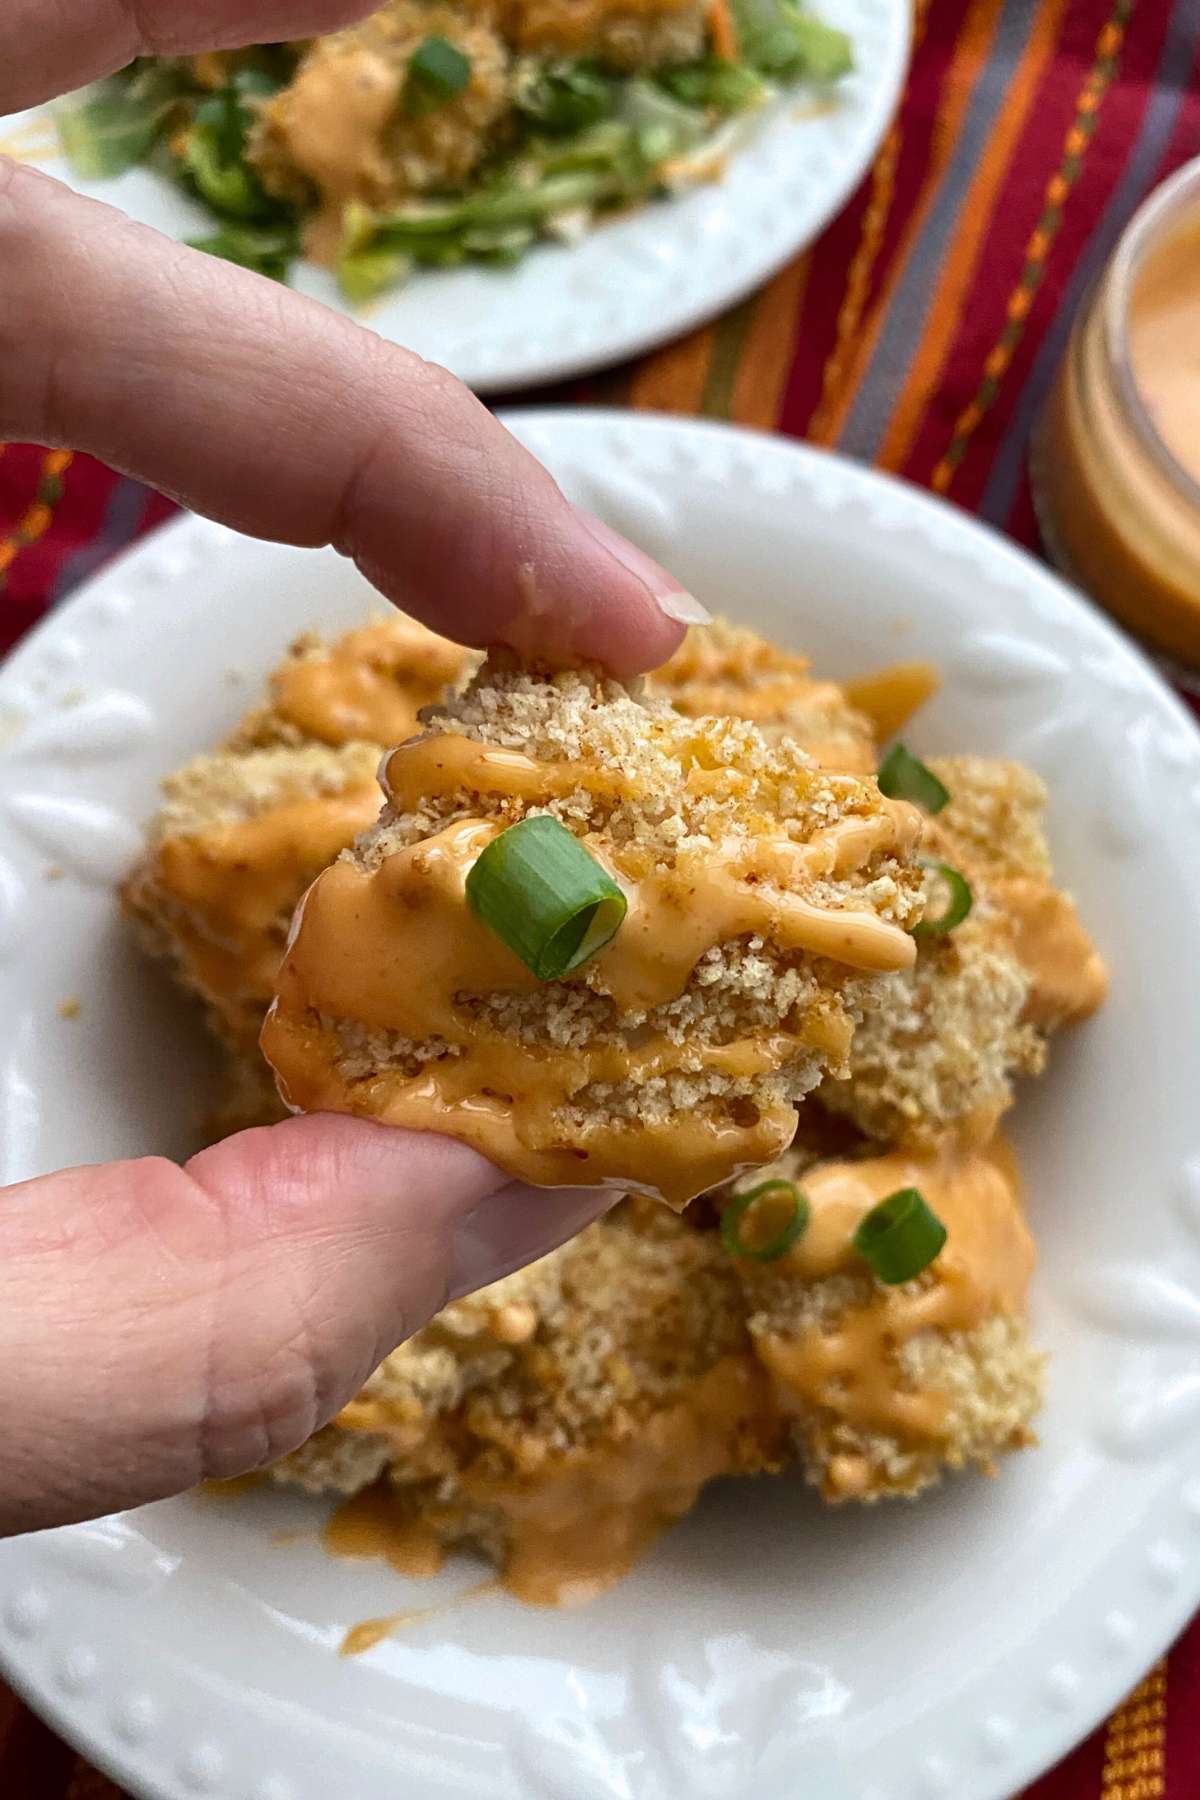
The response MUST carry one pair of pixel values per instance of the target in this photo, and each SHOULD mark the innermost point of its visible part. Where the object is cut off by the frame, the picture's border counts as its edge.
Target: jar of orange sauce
(1116, 462)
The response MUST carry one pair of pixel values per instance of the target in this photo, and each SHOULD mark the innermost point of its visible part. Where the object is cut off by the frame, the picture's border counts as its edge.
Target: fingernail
(673, 599)
(685, 608)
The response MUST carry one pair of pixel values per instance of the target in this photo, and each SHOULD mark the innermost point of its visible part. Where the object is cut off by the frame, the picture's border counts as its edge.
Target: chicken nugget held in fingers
(759, 896)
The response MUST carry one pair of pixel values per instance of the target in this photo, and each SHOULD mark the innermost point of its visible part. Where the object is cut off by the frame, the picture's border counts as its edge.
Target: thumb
(160, 1325)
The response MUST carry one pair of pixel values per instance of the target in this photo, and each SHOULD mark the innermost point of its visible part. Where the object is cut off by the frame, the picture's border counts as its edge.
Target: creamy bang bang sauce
(575, 1521)
(395, 951)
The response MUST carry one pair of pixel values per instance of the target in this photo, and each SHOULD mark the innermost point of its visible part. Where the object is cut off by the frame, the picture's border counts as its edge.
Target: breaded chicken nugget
(625, 34)
(889, 1387)
(764, 896)
(235, 844)
(585, 1419)
(941, 1049)
(366, 686)
(401, 1417)
(243, 832)
(994, 826)
(339, 127)
(724, 671)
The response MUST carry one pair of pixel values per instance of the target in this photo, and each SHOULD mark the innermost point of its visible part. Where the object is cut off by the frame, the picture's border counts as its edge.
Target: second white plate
(637, 279)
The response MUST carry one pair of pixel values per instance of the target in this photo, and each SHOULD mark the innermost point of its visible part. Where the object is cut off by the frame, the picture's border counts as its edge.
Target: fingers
(160, 1325)
(266, 410)
(516, 1226)
(49, 46)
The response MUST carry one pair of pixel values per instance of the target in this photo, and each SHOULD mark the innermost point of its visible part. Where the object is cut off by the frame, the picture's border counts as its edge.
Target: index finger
(50, 46)
(275, 415)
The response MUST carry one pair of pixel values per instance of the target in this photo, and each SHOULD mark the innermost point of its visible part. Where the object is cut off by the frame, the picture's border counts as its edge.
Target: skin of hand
(160, 1325)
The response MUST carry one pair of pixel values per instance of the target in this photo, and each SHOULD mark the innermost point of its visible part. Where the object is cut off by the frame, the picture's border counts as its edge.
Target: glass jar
(1116, 461)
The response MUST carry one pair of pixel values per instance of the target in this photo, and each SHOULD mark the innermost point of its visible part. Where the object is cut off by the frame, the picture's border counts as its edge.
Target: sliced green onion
(256, 84)
(959, 901)
(778, 38)
(900, 1237)
(114, 123)
(826, 54)
(500, 244)
(221, 121)
(564, 96)
(221, 177)
(225, 119)
(437, 72)
(663, 126)
(759, 1247)
(903, 776)
(545, 896)
(365, 274)
(726, 87)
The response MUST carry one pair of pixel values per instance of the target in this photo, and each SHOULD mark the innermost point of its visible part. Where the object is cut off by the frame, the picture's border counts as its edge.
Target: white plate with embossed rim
(637, 279)
(769, 1647)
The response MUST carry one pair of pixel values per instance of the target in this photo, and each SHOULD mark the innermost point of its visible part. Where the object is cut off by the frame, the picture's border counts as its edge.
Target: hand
(159, 1325)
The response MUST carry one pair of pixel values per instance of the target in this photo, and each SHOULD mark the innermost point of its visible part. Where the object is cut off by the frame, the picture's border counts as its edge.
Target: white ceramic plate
(636, 280)
(769, 1649)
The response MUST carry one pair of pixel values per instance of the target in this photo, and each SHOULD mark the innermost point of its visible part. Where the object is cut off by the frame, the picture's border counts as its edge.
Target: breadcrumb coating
(233, 847)
(646, 35)
(562, 1454)
(995, 820)
(723, 670)
(941, 1049)
(666, 796)
(953, 1398)
(402, 1415)
(242, 832)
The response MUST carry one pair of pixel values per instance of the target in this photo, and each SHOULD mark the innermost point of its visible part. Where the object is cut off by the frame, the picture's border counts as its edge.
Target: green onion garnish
(437, 71)
(366, 274)
(546, 896)
(900, 1237)
(959, 901)
(728, 87)
(771, 1197)
(106, 135)
(564, 96)
(778, 39)
(903, 776)
(214, 152)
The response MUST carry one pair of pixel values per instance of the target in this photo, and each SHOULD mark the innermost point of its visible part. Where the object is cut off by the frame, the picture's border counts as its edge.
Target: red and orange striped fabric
(920, 333)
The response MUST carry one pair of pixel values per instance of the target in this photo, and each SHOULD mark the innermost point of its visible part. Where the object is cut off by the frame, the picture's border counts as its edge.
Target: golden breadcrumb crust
(790, 1005)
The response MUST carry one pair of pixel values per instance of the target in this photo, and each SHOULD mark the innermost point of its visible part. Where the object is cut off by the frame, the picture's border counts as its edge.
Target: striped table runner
(920, 334)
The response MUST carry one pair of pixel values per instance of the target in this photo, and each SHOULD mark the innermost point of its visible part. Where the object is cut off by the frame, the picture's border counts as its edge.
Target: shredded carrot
(722, 30)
